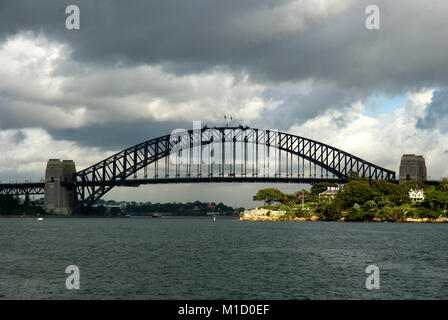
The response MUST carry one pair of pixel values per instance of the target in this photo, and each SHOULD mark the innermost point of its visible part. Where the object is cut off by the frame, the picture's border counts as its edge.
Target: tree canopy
(270, 195)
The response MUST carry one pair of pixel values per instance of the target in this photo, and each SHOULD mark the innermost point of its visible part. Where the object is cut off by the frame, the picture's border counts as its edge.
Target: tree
(407, 185)
(371, 204)
(353, 175)
(385, 190)
(290, 198)
(355, 191)
(443, 184)
(97, 211)
(437, 198)
(269, 195)
(8, 203)
(115, 211)
(332, 210)
(305, 194)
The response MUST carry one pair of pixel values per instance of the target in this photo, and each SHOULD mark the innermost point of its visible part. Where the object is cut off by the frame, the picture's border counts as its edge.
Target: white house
(416, 194)
(329, 193)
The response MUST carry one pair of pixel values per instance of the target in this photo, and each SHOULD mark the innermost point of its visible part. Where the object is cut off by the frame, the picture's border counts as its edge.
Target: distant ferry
(156, 215)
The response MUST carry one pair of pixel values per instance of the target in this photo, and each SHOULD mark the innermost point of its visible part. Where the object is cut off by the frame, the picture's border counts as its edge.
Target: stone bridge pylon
(58, 197)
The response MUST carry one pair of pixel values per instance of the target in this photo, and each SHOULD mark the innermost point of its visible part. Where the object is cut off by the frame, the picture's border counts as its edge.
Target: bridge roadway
(34, 188)
(22, 188)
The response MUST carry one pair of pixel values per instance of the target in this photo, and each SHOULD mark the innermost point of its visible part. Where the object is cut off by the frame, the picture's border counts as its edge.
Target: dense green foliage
(270, 195)
(361, 200)
(189, 208)
(11, 206)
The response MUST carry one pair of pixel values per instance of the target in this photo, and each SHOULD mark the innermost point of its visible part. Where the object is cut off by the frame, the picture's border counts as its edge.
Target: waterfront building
(329, 194)
(416, 195)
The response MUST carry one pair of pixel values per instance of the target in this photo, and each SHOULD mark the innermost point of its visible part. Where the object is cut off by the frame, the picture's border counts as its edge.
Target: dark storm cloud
(436, 112)
(331, 46)
(297, 108)
(117, 136)
(140, 32)
(187, 36)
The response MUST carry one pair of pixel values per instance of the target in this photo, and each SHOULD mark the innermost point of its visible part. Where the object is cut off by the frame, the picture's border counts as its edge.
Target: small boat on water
(40, 219)
(214, 218)
(156, 215)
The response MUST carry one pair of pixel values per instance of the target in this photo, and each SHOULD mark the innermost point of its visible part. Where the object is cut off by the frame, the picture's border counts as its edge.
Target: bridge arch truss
(221, 154)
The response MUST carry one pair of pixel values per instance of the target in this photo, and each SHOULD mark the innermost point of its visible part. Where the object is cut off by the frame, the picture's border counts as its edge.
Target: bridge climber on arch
(206, 155)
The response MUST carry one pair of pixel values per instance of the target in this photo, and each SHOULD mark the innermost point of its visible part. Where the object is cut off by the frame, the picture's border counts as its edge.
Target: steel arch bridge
(220, 154)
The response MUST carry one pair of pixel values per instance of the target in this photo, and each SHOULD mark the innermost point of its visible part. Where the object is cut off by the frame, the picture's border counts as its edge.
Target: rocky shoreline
(273, 215)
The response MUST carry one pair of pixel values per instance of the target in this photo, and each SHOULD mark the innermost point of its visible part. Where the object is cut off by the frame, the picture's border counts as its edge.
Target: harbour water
(198, 258)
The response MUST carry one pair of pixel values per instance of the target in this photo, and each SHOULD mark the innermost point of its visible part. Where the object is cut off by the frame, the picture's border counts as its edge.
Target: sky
(134, 71)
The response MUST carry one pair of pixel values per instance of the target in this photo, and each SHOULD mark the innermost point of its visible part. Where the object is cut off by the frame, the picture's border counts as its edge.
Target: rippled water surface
(198, 258)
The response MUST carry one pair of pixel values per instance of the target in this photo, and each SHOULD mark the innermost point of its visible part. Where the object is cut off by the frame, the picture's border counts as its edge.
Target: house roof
(330, 192)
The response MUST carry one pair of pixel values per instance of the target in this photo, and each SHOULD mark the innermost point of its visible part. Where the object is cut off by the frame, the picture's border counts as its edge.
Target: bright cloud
(383, 140)
(61, 93)
(28, 150)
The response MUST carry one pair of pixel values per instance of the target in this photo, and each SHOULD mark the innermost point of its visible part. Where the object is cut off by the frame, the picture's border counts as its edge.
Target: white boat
(40, 219)
(214, 218)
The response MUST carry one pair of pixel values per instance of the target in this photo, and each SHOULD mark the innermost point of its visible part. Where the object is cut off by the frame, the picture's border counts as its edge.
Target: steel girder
(26, 188)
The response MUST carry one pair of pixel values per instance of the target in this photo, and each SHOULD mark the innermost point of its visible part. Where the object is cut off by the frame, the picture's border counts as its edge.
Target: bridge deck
(24, 188)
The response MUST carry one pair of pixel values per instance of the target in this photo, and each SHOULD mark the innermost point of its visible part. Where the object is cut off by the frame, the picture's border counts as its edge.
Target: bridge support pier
(412, 168)
(58, 198)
